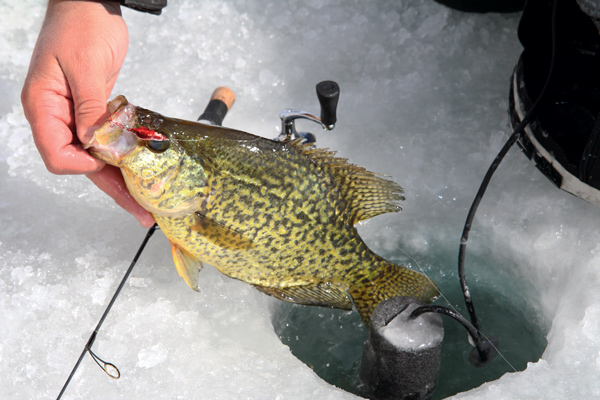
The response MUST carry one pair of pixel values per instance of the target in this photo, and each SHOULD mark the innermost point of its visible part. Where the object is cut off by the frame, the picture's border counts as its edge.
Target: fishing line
(516, 134)
(452, 312)
(109, 368)
(488, 176)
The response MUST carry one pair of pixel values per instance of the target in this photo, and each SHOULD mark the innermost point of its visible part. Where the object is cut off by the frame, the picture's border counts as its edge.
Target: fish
(279, 215)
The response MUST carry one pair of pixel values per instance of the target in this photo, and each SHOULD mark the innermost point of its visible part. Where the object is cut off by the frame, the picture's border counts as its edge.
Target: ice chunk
(148, 358)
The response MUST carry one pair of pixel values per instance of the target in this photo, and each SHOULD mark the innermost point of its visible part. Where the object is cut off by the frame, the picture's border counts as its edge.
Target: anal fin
(323, 294)
(187, 266)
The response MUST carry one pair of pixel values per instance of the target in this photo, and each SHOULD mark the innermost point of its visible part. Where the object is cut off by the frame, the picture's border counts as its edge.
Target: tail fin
(393, 280)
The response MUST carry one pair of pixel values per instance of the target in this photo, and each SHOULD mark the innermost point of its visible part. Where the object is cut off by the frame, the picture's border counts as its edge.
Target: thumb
(89, 106)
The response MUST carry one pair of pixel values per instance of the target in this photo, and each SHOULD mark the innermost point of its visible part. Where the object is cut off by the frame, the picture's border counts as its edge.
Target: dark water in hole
(331, 341)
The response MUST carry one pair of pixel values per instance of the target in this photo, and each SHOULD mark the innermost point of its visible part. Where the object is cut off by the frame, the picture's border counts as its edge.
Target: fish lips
(113, 151)
(114, 140)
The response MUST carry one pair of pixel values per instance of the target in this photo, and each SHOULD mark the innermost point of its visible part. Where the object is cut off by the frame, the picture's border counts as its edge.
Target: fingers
(73, 68)
(89, 102)
(90, 84)
(50, 115)
(76, 60)
(92, 70)
(110, 181)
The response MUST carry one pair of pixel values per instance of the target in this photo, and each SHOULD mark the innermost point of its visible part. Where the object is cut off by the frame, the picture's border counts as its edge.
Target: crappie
(279, 216)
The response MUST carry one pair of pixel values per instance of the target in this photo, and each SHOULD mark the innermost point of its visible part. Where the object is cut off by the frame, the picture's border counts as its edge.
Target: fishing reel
(328, 93)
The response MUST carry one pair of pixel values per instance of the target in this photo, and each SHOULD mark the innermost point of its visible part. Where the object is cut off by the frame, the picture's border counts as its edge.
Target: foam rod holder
(401, 357)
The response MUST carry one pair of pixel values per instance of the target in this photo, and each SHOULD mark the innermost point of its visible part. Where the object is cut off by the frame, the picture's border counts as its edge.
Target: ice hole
(331, 341)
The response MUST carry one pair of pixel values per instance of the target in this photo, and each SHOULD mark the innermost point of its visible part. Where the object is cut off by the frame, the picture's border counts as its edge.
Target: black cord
(488, 176)
(482, 344)
(485, 348)
(453, 314)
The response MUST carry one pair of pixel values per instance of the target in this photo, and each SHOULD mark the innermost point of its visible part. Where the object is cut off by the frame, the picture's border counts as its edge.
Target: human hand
(74, 66)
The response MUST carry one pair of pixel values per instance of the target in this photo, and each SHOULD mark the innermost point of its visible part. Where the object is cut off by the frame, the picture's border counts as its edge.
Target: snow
(424, 99)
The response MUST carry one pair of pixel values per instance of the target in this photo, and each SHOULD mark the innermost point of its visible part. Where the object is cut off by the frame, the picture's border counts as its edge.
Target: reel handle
(328, 93)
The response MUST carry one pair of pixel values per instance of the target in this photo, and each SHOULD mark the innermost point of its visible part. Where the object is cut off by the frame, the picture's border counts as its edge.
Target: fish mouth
(114, 139)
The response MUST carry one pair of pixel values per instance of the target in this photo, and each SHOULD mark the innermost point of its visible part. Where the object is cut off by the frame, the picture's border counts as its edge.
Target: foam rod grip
(220, 103)
(224, 94)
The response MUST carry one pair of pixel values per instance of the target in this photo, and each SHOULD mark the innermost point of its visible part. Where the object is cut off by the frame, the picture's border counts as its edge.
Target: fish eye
(157, 146)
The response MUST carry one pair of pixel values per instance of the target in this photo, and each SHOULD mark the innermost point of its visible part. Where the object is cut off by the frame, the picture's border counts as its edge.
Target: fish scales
(287, 211)
(279, 216)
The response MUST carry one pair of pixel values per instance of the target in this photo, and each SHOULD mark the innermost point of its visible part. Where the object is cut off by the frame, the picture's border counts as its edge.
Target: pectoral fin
(220, 234)
(324, 294)
(186, 265)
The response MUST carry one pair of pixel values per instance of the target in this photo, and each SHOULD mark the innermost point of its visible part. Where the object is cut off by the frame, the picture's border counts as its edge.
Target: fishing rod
(219, 104)
(110, 369)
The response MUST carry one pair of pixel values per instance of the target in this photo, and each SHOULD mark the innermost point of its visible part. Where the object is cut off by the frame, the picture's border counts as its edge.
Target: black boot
(562, 139)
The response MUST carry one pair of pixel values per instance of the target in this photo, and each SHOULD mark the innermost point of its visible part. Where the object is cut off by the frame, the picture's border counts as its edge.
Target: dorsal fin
(367, 193)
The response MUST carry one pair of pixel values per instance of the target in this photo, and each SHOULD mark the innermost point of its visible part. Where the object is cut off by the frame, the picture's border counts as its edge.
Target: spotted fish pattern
(278, 215)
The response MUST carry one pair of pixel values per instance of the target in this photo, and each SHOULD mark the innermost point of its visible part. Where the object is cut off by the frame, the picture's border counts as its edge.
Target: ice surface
(424, 99)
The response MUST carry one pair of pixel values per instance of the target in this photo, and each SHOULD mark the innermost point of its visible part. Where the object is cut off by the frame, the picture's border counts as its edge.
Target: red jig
(148, 134)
